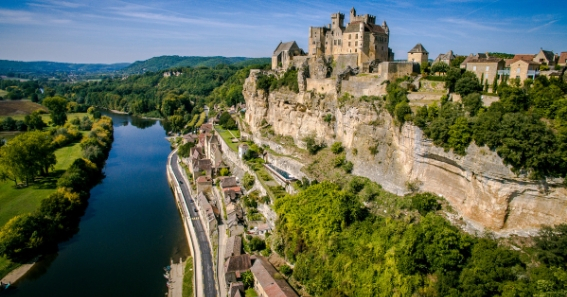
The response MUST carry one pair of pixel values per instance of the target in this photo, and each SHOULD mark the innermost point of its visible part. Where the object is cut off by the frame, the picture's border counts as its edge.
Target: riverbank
(13, 276)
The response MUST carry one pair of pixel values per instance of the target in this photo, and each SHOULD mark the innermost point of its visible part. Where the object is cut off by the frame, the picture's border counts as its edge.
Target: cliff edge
(479, 186)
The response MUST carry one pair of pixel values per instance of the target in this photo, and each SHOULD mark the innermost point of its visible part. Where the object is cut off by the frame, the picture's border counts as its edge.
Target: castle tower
(337, 20)
(386, 28)
(418, 54)
(352, 15)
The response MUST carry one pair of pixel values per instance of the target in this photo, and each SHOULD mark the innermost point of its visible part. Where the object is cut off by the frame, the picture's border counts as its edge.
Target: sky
(103, 31)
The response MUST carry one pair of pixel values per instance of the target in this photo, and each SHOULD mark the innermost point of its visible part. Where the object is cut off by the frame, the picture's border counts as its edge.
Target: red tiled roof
(203, 179)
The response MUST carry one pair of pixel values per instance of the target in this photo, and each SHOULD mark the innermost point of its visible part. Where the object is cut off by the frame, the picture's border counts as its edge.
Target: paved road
(207, 258)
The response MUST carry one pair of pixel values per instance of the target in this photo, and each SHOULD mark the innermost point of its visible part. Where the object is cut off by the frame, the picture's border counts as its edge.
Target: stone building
(522, 69)
(266, 281)
(562, 61)
(284, 53)
(446, 58)
(418, 54)
(361, 37)
(545, 58)
(486, 69)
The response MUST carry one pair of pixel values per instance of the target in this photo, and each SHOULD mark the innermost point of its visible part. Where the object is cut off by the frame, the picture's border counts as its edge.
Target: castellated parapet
(360, 44)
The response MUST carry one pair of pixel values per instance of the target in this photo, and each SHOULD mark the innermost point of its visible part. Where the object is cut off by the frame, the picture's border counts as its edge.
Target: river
(131, 228)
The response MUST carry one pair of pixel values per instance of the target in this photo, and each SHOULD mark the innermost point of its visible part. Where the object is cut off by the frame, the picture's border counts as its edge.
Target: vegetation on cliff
(527, 127)
(339, 248)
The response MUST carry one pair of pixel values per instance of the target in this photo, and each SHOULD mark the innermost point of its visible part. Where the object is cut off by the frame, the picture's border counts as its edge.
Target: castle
(361, 36)
(361, 43)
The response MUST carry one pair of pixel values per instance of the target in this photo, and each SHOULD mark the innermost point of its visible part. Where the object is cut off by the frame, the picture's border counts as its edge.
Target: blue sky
(102, 31)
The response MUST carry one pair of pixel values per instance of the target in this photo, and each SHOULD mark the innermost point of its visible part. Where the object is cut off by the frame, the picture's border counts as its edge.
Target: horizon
(105, 32)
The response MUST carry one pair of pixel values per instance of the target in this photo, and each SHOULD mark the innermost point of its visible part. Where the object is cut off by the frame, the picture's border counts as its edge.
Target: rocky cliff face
(478, 185)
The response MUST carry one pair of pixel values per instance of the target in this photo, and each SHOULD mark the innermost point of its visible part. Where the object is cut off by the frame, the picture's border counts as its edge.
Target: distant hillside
(42, 67)
(165, 62)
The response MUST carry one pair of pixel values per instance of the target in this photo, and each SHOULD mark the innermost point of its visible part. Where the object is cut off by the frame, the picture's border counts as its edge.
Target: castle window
(474, 68)
(349, 43)
(355, 50)
(487, 68)
(356, 43)
(349, 36)
(356, 36)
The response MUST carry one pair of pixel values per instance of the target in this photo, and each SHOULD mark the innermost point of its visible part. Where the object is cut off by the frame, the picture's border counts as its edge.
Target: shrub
(337, 148)
(312, 146)
(339, 160)
(248, 181)
(348, 166)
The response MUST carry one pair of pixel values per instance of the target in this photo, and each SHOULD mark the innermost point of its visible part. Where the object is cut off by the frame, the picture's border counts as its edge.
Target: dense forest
(177, 94)
(167, 62)
(339, 247)
(527, 127)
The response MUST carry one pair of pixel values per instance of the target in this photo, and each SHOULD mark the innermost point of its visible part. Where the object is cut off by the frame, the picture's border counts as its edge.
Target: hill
(166, 62)
(19, 107)
(43, 67)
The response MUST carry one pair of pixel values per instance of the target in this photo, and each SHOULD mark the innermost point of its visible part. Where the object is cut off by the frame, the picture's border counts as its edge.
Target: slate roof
(448, 56)
(233, 247)
(264, 273)
(236, 289)
(418, 48)
(228, 182)
(285, 46)
(549, 55)
(354, 27)
(238, 264)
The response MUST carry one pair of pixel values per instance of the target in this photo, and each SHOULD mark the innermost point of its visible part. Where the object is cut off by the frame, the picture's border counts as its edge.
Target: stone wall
(393, 70)
(343, 61)
(478, 186)
(363, 85)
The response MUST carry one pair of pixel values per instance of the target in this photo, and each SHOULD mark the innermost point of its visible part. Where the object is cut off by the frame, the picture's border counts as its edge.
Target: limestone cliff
(478, 185)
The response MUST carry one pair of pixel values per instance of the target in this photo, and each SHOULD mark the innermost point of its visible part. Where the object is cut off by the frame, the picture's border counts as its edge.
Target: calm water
(130, 230)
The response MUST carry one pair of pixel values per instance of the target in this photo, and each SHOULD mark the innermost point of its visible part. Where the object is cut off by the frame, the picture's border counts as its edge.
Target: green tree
(440, 67)
(402, 112)
(26, 156)
(451, 78)
(467, 85)
(57, 108)
(247, 279)
(472, 103)
(34, 121)
(460, 135)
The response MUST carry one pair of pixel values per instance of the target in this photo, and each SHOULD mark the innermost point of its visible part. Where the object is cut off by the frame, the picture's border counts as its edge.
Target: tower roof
(418, 48)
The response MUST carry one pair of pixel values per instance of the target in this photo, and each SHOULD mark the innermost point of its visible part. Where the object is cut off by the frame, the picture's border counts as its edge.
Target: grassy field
(15, 201)
(227, 136)
(19, 107)
(187, 278)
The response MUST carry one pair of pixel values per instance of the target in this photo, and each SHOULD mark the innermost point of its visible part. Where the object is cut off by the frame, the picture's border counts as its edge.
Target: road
(206, 257)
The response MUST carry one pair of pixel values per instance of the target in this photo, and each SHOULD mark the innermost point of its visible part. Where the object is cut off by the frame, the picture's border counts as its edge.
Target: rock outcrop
(483, 190)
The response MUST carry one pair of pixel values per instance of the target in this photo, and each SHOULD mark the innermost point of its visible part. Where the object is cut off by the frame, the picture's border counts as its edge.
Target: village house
(234, 214)
(445, 58)
(242, 150)
(207, 214)
(201, 167)
(562, 61)
(486, 69)
(418, 54)
(204, 184)
(266, 283)
(233, 247)
(522, 70)
(361, 38)
(236, 289)
(471, 57)
(235, 266)
(545, 58)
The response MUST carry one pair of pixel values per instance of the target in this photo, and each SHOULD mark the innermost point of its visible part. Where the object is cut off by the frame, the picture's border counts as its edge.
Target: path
(176, 279)
(205, 279)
